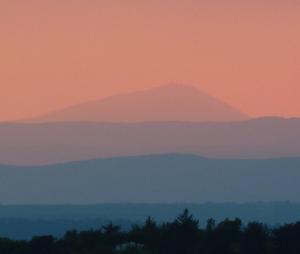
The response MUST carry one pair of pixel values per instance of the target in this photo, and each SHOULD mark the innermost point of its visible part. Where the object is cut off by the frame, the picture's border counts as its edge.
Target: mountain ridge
(48, 143)
(152, 179)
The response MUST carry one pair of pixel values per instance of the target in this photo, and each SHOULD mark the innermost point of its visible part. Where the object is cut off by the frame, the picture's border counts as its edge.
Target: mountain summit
(165, 103)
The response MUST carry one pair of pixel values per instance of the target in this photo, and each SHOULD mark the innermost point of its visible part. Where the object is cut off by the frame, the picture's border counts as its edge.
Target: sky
(56, 53)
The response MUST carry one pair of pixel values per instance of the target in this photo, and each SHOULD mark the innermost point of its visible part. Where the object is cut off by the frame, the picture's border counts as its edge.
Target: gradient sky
(55, 53)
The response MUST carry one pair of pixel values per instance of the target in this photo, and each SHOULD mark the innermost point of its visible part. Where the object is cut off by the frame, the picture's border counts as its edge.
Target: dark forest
(184, 235)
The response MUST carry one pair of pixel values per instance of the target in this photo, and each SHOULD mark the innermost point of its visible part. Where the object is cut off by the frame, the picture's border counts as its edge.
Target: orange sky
(55, 53)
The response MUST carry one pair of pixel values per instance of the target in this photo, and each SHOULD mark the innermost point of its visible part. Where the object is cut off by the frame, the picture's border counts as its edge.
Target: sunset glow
(59, 53)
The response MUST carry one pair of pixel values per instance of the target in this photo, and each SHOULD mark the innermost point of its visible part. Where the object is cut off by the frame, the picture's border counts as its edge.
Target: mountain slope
(146, 179)
(32, 144)
(166, 103)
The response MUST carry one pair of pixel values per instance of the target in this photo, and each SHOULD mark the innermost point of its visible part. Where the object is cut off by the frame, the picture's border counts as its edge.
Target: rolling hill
(152, 179)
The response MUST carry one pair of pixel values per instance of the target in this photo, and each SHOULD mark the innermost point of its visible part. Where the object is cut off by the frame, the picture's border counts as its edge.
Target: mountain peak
(177, 86)
(171, 102)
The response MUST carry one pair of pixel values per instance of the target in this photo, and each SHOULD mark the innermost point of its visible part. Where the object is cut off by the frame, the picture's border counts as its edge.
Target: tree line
(184, 235)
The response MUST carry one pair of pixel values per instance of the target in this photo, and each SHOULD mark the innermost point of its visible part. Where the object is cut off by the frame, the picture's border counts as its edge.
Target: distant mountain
(35, 144)
(166, 103)
(147, 179)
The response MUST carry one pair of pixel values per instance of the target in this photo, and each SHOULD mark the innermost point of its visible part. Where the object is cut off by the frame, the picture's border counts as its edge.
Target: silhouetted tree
(42, 244)
(112, 236)
(287, 239)
(226, 237)
(255, 239)
(185, 228)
